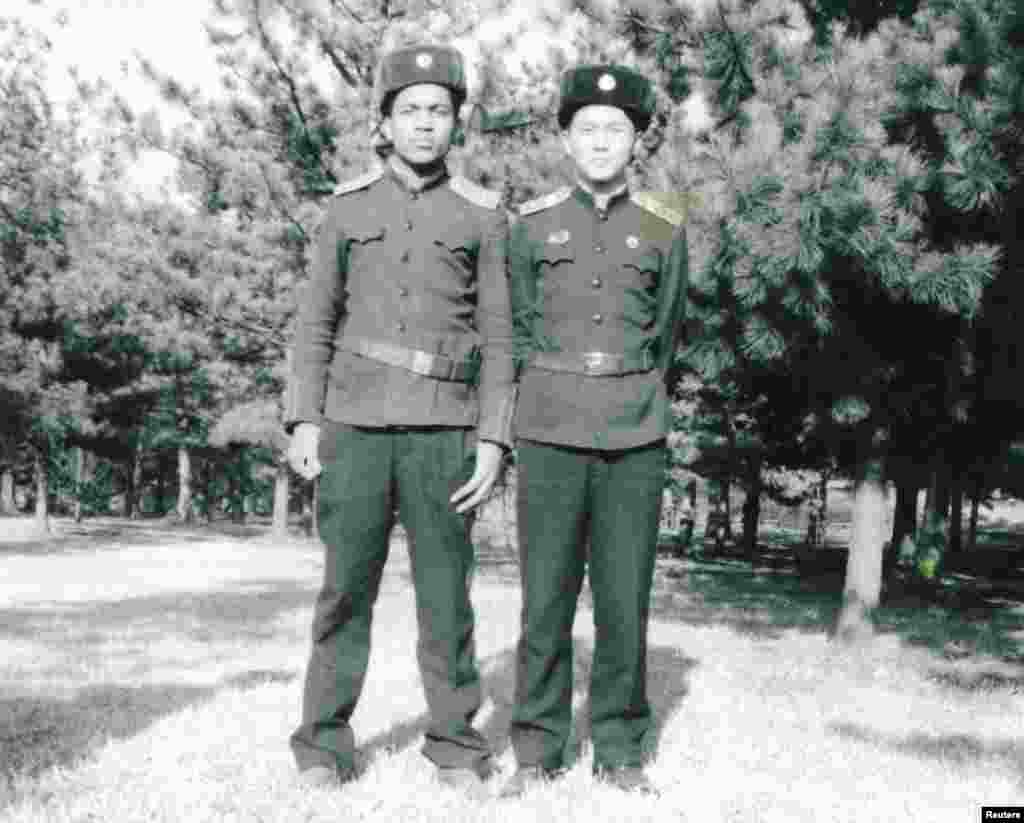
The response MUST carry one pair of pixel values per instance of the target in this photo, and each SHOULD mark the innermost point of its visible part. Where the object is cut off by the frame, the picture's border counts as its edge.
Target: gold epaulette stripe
(652, 202)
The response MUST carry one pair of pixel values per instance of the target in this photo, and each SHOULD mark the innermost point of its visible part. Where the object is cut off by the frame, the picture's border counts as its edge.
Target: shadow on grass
(750, 599)
(668, 672)
(772, 596)
(955, 749)
(97, 534)
(245, 613)
(39, 733)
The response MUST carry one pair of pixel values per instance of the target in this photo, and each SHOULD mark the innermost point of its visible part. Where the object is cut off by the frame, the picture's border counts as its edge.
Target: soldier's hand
(302, 450)
(485, 475)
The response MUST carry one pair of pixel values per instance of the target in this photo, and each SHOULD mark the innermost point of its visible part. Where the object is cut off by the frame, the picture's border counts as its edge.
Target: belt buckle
(594, 362)
(422, 363)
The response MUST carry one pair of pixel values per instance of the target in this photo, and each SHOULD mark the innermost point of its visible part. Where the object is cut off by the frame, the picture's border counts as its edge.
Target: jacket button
(599, 249)
(400, 325)
(596, 282)
(598, 318)
(408, 224)
(403, 291)
(405, 256)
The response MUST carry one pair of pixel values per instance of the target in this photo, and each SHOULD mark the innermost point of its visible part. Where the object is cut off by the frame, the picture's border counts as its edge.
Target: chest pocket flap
(646, 261)
(365, 233)
(556, 248)
(460, 240)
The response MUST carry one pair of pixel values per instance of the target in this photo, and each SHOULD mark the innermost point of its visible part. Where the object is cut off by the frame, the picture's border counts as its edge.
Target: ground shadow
(668, 673)
(39, 733)
(750, 599)
(115, 533)
(246, 612)
(764, 600)
(956, 749)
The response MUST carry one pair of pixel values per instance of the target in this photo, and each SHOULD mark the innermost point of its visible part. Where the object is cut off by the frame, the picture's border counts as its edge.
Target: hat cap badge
(633, 241)
(424, 60)
(606, 82)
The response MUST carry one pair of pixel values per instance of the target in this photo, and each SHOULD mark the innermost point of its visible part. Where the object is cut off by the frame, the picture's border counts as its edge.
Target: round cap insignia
(606, 82)
(632, 241)
(424, 60)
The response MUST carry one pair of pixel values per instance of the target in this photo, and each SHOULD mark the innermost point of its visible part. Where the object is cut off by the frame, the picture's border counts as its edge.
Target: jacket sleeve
(672, 298)
(497, 393)
(321, 311)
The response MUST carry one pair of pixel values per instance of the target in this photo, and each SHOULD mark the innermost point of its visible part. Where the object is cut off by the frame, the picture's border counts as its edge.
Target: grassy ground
(154, 675)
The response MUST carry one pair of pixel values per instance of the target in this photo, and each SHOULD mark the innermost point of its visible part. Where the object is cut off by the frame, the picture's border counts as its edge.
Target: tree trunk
(905, 520)
(934, 534)
(904, 526)
(184, 506)
(81, 472)
(929, 502)
(237, 500)
(42, 494)
(817, 520)
(752, 511)
(7, 502)
(956, 514)
(727, 502)
(132, 503)
(282, 488)
(972, 535)
(863, 587)
(161, 485)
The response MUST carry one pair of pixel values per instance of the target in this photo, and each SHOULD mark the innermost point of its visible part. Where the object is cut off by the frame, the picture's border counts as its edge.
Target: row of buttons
(403, 291)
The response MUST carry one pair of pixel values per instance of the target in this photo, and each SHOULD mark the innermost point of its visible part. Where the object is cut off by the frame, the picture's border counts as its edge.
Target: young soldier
(598, 283)
(406, 312)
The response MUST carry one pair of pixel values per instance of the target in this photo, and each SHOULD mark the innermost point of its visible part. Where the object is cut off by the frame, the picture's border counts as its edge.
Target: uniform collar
(597, 203)
(412, 182)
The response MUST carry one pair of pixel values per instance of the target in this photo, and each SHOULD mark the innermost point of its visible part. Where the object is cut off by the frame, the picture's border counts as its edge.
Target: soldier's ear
(458, 135)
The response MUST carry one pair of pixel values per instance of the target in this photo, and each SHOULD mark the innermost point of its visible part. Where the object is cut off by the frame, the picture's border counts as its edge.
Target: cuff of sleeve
(496, 425)
(302, 404)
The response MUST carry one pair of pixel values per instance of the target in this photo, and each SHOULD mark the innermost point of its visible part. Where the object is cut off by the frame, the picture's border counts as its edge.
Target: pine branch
(346, 74)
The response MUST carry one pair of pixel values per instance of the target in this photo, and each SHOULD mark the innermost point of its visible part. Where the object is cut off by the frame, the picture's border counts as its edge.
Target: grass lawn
(154, 675)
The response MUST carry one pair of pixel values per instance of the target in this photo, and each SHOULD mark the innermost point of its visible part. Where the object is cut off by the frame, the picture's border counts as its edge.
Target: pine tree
(960, 104)
(43, 211)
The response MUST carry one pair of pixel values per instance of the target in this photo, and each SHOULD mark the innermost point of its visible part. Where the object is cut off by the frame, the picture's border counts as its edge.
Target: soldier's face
(421, 123)
(600, 140)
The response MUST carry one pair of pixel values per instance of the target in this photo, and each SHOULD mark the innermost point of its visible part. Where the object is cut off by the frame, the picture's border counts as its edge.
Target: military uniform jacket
(421, 270)
(586, 281)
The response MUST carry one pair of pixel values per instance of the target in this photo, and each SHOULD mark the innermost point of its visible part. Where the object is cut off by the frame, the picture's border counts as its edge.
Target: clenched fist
(302, 450)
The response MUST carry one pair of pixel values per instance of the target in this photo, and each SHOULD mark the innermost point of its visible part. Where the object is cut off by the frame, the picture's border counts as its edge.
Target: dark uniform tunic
(598, 298)
(403, 355)
(421, 270)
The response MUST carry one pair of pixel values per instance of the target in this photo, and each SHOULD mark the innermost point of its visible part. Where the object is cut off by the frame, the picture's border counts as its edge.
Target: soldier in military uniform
(400, 398)
(598, 283)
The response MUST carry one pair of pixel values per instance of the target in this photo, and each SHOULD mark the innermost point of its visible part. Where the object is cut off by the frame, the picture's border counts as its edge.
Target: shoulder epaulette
(545, 201)
(474, 193)
(654, 203)
(361, 182)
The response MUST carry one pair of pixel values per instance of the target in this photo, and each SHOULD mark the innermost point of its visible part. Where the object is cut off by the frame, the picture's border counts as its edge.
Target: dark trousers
(367, 475)
(568, 497)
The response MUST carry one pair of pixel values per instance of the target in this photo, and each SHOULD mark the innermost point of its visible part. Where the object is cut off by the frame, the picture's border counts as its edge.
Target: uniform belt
(595, 363)
(438, 366)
